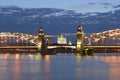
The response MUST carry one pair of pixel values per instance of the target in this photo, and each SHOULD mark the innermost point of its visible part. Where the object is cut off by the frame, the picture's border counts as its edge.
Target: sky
(53, 3)
(82, 5)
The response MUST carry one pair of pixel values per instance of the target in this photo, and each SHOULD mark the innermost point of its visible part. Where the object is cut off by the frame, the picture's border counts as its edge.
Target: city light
(22, 41)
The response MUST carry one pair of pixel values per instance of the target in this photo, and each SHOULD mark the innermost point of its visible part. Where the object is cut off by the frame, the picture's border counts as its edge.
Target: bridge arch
(100, 38)
(18, 36)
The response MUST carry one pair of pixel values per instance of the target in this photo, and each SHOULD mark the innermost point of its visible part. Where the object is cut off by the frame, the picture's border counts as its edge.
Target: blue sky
(81, 5)
(53, 3)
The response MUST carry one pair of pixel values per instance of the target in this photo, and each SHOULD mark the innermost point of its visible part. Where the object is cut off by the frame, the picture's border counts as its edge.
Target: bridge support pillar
(79, 40)
(87, 51)
(42, 47)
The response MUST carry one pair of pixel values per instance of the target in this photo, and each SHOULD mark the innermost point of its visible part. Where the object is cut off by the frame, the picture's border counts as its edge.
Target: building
(69, 43)
(61, 39)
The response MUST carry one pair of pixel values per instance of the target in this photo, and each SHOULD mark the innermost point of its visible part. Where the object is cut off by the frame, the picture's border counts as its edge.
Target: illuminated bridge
(106, 41)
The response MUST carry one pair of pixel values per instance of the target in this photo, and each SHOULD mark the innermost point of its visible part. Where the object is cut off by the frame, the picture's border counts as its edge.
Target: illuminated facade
(61, 39)
(69, 43)
(41, 40)
(80, 39)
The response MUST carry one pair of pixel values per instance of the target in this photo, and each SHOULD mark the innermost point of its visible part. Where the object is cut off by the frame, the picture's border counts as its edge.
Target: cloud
(118, 6)
(92, 7)
(107, 4)
(101, 3)
(91, 3)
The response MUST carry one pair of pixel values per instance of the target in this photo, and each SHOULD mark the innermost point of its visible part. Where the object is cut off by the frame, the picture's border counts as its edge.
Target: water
(59, 67)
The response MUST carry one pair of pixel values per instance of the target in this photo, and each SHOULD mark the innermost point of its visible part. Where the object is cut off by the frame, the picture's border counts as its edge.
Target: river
(101, 66)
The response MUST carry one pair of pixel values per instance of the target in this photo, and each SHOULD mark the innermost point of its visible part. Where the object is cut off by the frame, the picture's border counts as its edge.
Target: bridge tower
(79, 40)
(42, 47)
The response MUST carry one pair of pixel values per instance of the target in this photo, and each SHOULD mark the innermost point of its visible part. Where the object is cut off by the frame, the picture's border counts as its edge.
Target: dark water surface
(59, 67)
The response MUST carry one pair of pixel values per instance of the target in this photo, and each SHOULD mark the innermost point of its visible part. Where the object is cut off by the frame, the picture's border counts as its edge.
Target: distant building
(61, 39)
(69, 43)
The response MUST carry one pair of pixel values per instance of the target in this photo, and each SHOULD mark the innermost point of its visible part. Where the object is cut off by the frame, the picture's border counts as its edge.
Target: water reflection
(6, 55)
(114, 63)
(58, 67)
(17, 56)
(16, 67)
(47, 67)
(91, 68)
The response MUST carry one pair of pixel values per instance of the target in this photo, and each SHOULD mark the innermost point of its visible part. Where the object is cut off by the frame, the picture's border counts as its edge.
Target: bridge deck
(50, 47)
(110, 47)
(14, 47)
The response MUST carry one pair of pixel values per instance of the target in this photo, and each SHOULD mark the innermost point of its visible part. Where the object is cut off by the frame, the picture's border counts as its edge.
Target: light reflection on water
(58, 67)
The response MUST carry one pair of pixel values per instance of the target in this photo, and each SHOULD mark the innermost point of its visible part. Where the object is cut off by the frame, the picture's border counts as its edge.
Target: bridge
(106, 41)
